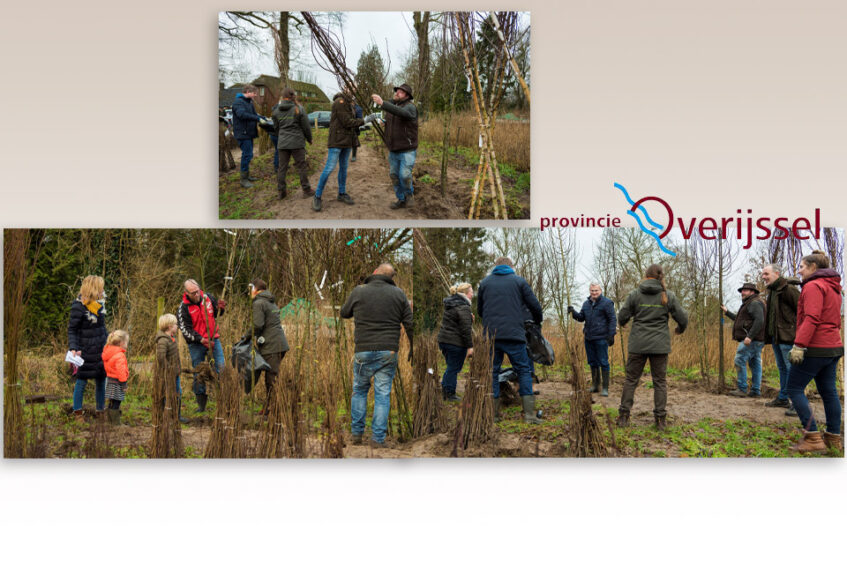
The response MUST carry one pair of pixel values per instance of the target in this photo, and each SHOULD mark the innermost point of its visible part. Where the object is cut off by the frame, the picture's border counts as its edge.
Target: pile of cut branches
(429, 413)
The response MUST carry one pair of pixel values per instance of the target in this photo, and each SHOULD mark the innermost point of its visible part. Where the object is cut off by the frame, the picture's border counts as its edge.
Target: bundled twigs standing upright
(15, 245)
(429, 411)
(283, 435)
(227, 440)
(476, 416)
(427, 256)
(166, 441)
(586, 439)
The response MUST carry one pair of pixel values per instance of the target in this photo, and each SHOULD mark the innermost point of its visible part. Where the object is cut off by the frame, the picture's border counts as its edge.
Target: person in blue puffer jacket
(598, 314)
(245, 126)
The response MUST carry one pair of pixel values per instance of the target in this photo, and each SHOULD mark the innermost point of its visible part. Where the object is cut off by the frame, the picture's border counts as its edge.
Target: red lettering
(778, 226)
(796, 228)
(616, 222)
(686, 234)
(762, 224)
(703, 228)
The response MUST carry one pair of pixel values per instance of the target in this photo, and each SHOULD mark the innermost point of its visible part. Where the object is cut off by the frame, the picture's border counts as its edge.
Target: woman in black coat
(454, 337)
(86, 338)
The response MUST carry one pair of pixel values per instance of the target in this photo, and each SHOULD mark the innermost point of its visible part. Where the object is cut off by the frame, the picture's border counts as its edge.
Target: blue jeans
(400, 166)
(780, 353)
(598, 353)
(822, 371)
(99, 393)
(198, 355)
(339, 157)
(275, 141)
(519, 358)
(381, 365)
(246, 153)
(749, 354)
(455, 357)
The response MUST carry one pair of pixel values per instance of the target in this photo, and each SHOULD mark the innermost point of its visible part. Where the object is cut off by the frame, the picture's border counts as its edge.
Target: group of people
(803, 328)
(290, 131)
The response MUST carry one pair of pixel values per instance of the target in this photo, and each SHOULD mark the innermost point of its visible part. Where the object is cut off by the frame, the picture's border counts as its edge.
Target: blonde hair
(166, 320)
(91, 288)
(463, 287)
(118, 337)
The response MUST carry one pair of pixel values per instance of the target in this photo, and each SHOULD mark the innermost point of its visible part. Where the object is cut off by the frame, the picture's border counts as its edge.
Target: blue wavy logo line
(651, 233)
(640, 207)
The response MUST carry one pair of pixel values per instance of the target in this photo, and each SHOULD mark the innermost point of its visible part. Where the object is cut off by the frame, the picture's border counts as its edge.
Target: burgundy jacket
(819, 311)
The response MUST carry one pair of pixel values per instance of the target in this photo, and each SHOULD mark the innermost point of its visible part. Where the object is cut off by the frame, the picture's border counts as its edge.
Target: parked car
(322, 116)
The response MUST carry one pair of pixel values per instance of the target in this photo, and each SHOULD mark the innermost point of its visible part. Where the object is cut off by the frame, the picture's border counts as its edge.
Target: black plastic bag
(244, 357)
(540, 350)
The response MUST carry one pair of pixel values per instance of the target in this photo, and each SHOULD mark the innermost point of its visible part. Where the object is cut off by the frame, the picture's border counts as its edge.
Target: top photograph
(374, 115)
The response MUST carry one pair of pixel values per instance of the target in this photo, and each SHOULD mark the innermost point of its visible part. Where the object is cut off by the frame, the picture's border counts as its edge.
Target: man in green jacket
(292, 131)
(650, 306)
(780, 327)
(268, 334)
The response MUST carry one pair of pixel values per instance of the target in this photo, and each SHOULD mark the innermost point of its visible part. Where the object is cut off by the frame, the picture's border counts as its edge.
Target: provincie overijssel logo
(742, 226)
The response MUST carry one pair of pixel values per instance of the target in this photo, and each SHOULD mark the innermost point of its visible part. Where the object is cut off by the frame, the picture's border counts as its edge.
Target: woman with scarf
(454, 337)
(86, 338)
(816, 352)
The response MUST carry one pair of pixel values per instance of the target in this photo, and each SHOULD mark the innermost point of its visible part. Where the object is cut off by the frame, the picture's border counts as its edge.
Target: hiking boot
(738, 393)
(777, 403)
(316, 204)
(812, 442)
(529, 415)
(100, 415)
(496, 410)
(753, 394)
(245, 181)
(398, 204)
(377, 444)
(79, 415)
(345, 198)
(661, 423)
(605, 374)
(115, 416)
(357, 439)
(308, 192)
(791, 412)
(595, 380)
(410, 199)
(623, 419)
(832, 440)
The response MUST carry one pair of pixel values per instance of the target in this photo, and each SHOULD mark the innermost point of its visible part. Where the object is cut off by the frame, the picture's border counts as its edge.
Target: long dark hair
(655, 272)
(818, 258)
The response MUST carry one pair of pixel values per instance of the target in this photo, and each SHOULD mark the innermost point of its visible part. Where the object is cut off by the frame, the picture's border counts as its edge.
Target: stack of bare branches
(429, 411)
(585, 436)
(166, 441)
(476, 416)
(15, 244)
(227, 440)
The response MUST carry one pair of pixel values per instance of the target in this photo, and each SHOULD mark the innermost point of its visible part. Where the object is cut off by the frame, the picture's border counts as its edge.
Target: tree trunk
(421, 23)
(281, 50)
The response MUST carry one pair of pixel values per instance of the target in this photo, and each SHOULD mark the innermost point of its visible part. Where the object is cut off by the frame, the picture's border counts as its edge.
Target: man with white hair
(598, 314)
(196, 318)
(780, 326)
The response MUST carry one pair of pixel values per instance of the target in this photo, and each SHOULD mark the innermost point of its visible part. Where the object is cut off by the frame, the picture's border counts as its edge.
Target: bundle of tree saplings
(166, 440)
(585, 436)
(429, 411)
(476, 417)
(227, 440)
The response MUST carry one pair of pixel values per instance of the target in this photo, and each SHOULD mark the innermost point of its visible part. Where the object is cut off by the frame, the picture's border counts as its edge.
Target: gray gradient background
(108, 121)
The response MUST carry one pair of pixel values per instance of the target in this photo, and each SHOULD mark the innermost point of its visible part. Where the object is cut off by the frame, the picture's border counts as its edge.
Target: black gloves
(611, 340)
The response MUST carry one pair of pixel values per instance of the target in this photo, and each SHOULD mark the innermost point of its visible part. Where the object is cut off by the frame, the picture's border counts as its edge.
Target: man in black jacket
(598, 313)
(401, 137)
(749, 331)
(502, 301)
(379, 308)
(780, 327)
(245, 123)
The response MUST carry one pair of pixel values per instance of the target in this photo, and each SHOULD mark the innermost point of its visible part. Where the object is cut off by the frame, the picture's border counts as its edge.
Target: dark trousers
(273, 361)
(246, 153)
(597, 352)
(658, 370)
(299, 156)
(519, 358)
(455, 357)
(823, 371)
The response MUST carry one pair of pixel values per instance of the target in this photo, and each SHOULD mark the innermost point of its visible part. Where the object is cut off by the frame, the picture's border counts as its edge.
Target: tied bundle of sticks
(227, 440)
(429, 412)
(283, 433)
(166, 441)
(475, 425)
(586, 439)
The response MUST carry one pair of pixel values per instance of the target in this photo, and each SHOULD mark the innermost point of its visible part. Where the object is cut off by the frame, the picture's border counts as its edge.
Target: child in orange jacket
(117, 372)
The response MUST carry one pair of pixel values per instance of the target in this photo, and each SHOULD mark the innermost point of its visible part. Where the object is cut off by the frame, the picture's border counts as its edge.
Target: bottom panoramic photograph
(419, 343)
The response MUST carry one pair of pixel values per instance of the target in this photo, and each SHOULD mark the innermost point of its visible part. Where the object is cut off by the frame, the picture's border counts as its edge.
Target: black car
(322, 116)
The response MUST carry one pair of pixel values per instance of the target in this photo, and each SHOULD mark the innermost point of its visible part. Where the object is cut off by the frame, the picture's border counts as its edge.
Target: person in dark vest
(749, 331)
(401, 137)
(502, 302)
(293, 130)
(780, 327)
(650, 306)
(598, 313)
(86, 339)
(245, 126)
(268, 334)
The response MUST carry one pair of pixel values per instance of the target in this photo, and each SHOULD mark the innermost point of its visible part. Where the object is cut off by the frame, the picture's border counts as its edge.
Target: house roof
(304, 90)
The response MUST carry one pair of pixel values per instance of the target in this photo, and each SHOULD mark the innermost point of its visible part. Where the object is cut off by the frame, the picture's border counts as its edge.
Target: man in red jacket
(197, 322)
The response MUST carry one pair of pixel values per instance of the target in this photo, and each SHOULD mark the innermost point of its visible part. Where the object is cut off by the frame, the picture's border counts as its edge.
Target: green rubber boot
(529, 410)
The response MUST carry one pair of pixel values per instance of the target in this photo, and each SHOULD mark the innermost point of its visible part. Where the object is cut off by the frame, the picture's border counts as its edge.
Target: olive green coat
(650, 333)
(266, 324)
(167, 350)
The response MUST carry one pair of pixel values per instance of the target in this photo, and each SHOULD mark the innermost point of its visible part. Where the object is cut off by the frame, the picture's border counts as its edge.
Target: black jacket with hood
(457, 321)
(291, 125)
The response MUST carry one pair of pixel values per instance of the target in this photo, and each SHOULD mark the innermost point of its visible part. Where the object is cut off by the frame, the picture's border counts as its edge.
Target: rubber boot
(201, 402)
(114, 416)
(281, 193)
(623, 419)
(179, 413)
(812, 442)
(250, 177)
(245, 182)
(595, 380)
(496, 410)
(529, 410)
(605, 373)
(833, 441)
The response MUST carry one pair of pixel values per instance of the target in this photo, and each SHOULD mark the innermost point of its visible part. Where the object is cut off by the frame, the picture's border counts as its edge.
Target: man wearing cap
(749, 331)
(401, 137)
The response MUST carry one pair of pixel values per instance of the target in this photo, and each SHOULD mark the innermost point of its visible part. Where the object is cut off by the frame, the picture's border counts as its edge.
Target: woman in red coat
(816, 352)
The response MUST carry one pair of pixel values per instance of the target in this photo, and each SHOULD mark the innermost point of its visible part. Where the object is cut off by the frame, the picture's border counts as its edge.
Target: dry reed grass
(227, 440)
(166, 438)
(475, 425)
(429, 410)
(586, 439)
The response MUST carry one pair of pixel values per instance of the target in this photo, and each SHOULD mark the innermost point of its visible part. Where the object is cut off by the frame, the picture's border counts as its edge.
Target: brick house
(269, 87)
